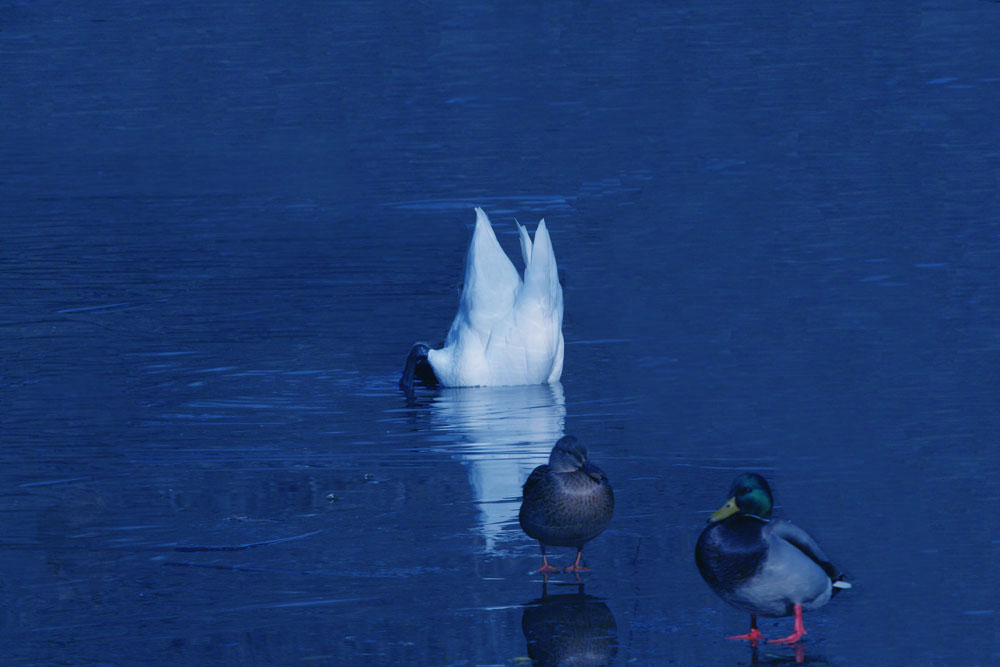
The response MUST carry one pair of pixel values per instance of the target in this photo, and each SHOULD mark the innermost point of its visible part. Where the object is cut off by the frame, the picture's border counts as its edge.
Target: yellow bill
(726, 510)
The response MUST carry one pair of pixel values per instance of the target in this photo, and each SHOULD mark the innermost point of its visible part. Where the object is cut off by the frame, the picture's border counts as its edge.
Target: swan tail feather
(522, 233)
(491, 283)
(541, 277)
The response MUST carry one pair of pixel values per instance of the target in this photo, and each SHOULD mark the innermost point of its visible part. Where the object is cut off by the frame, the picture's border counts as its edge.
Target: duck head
(749, 494)
(570, 456)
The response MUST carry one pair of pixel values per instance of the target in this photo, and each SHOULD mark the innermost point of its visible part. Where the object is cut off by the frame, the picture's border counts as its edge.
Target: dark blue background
(223, 224)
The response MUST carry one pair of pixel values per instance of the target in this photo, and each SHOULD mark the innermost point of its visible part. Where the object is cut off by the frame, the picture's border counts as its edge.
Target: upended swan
(508, 331)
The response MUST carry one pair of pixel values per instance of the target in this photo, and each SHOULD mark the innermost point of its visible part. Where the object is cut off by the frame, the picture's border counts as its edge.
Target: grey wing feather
(794, 535)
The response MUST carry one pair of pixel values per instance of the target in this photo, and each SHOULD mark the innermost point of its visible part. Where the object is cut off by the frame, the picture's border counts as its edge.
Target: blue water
(224, 224)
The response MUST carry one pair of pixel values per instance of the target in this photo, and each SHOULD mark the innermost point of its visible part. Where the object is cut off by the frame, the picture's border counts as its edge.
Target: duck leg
(577, 566)
(754, 635)
(800, 629)
(545, 562)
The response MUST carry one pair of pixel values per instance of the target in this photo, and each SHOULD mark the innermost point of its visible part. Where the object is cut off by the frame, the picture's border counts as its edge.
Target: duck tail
(839, 584)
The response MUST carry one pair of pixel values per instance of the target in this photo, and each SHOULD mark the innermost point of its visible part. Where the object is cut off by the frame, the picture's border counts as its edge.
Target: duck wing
(535, 481)
(800, 539)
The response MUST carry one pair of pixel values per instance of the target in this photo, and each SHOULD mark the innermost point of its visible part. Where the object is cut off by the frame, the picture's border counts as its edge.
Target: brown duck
(566, 503)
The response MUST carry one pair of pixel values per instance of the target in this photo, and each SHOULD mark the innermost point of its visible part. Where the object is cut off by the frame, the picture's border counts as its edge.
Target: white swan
(508, 331)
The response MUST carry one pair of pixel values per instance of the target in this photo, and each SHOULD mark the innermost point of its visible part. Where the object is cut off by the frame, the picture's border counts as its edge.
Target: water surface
(778, 237)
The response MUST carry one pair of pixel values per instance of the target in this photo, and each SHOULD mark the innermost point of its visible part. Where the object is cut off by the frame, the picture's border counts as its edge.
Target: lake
(224, 224)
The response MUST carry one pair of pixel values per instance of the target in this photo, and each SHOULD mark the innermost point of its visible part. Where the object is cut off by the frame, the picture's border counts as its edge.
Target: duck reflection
(797, 656)
(500, 434)
(573, 629)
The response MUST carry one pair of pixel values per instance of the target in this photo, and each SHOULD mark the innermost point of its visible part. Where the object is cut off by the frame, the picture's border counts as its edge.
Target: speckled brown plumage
(567, 502)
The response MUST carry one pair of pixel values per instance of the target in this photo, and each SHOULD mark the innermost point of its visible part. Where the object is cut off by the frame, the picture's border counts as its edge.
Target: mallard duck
(764, 566)
(567, 502)
(508, 331)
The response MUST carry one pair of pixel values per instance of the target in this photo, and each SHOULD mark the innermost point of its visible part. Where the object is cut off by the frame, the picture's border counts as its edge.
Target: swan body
(508, 330)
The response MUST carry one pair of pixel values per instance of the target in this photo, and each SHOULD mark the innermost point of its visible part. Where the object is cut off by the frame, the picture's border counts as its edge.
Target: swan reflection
(500, 434)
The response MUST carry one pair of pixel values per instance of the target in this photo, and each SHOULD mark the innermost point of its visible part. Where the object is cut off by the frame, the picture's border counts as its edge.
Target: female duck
(566, 503)
(764, 566)
(508, 331)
